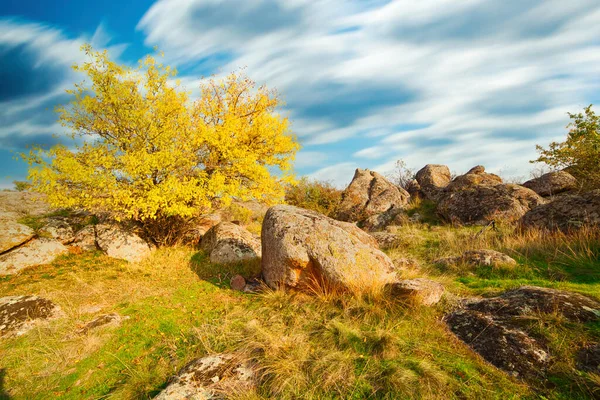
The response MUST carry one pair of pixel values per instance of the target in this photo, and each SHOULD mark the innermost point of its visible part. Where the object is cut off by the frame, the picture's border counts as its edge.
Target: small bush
(313, 195)
(21, 186)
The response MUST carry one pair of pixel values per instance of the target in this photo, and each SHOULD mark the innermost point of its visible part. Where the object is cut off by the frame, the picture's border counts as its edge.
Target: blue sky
(366, 82)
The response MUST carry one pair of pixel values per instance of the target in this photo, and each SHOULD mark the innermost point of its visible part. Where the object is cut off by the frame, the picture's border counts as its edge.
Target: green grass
(310, 347)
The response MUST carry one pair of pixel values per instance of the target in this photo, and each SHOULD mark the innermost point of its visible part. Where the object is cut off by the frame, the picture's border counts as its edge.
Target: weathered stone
(566, 212)
(494, 327)
(476, 176)
(112, 319)
(425, 291)
(552, 183)
(432, 179)
(387, 240)
(228, 243)
(85, 239)
(478, 205)
(506, 347)
(19, 314)
(59, 228)
(488, 258)
(35, 252)
(368, 194)
(529, 300)
(13, 234)
(301, 245)
(210, 377)
(238, 283)
(122, 243)
(378, 222)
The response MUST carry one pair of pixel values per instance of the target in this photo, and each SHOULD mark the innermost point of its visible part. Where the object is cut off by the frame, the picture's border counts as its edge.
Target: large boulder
(496, 327)
(300, 245)
(210, 377)
(480, 204)
(378, 222)
(566, 212)
(13, 234)
(476, 176)
(229, 243)
(119, 242)
(432, 179)
(24, 203)
(18, 314)
(368, 194)
(552, 183)
(35, 252)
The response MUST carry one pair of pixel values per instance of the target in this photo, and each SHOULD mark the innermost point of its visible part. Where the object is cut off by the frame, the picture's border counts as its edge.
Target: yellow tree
(144, 152)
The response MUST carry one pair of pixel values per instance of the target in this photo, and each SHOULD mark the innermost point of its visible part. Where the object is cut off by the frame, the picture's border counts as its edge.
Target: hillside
(457, 288)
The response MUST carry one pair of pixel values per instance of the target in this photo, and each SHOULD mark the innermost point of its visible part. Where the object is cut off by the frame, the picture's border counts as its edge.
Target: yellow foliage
(144, 151)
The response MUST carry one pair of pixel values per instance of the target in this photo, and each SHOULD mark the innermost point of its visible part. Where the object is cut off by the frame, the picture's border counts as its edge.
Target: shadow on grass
(221, 274)
(3, 394)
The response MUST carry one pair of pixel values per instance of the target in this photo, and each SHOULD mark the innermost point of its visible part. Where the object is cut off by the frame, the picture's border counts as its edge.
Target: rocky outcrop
(493, 327)
(211, 377)
(13, 234)
(23, 203)
(119, 242)
(480, 204)
(476, 176)
(368, 194)
(35, 252)
(488, 258)
(432, 179)
(552, 183)
(424, 291)
(299, 246)
(228, 243)
(566, 212)
(19, 314)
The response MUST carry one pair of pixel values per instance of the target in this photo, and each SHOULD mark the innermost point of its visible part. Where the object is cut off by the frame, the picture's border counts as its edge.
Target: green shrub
(314, 195)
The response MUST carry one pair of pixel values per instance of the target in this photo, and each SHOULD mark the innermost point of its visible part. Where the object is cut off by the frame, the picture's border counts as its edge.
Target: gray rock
(552, 183)
(424, 291)
(378, 222)
(118, 242)
(35, 252)
(300, 246)
(588, 358)
(228, 243)
(368, 194)
(19, 314)
(210, 377)
(566, 213)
